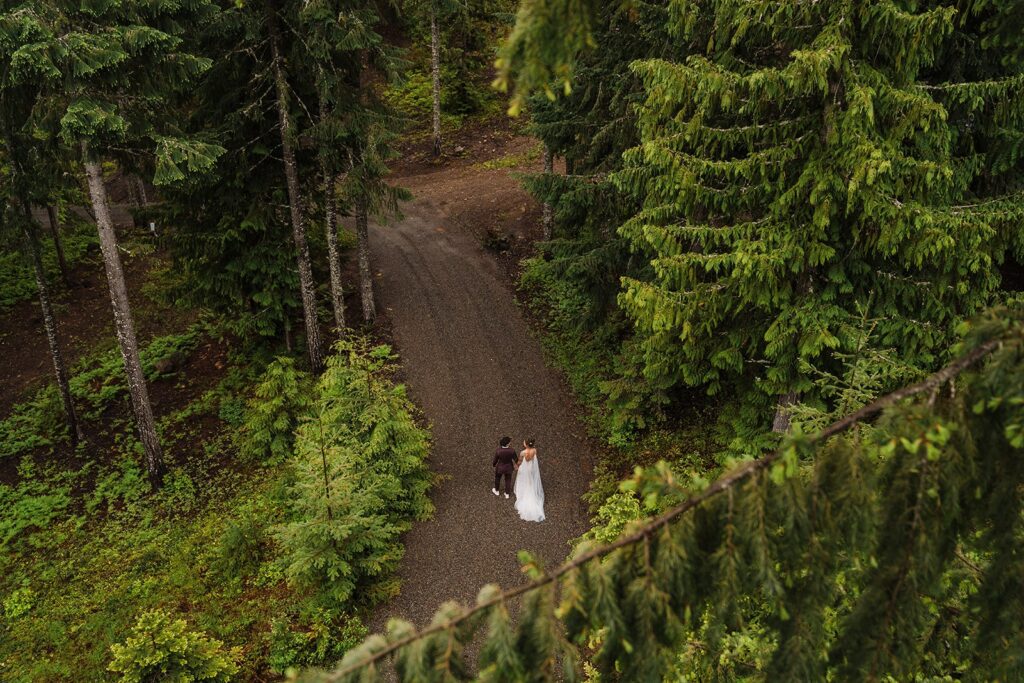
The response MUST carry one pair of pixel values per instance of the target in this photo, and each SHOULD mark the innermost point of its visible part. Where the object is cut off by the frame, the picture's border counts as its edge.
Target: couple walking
(529, 491)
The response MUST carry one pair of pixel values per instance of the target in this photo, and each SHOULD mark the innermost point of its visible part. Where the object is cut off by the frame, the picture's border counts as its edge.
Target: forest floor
(473, 366)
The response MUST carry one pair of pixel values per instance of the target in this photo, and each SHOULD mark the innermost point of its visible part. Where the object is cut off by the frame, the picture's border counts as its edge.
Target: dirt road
(473, 367)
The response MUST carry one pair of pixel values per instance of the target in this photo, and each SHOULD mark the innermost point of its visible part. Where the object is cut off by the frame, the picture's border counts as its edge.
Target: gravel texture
(474, 368)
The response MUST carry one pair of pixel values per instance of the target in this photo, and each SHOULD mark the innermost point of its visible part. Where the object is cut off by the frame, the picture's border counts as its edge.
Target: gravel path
(474, 369)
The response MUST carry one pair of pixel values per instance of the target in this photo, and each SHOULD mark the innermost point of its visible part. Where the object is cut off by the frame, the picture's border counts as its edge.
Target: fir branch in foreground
(645, 532)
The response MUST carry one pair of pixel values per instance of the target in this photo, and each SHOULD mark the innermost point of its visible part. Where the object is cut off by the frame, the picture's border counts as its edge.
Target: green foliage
(36, 423)
(280, 400)
(19, 602)
(361, 478)
(123, 484)
(243, 545)
(98, 381)
(792, 181)
(29, 505)
(161, 648)
(892, 554)
(18, 280)
(321, 639)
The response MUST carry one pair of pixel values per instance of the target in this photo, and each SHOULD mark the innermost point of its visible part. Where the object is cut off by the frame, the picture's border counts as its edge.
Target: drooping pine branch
(379, 649)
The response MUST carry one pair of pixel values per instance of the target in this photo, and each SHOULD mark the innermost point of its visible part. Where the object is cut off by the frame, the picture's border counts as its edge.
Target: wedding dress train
(530, 492)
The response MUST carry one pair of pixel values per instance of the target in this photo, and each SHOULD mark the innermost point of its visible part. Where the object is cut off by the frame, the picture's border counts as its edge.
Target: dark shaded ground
(475, 370)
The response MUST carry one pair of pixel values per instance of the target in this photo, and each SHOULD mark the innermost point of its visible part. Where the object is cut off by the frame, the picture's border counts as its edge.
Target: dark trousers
(508, 481)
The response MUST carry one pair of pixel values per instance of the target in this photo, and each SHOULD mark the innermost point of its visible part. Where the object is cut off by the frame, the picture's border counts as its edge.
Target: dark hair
(530, 443)
(505, 441)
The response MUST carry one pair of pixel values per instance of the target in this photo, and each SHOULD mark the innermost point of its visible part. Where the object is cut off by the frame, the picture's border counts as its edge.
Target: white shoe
(506, 495)
(495, 492)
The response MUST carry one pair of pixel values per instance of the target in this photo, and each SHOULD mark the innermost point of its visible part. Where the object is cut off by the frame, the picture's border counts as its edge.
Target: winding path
(474, 369)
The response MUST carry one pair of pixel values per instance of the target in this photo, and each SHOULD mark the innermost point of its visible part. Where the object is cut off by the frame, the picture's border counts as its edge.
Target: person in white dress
(529, 491)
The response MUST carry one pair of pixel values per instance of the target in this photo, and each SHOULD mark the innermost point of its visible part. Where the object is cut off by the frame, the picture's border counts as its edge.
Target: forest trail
(474, 369)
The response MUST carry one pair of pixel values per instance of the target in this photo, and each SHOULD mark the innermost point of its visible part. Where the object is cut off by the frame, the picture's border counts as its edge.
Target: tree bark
(140, 191)
(333, 258)
(780, 424)
(549, 166)
(58, 245)
(50, 324)
(123, 321)
(291, 172)
(435, 74)
(365, 274)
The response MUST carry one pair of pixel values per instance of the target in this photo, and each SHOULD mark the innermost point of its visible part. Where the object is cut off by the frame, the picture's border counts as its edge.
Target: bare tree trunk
(333, 258)
(291, 172)
(549, 166)
(140, 190)
(365, 274)
(780, 424)
(58, 245)
(435, 73)
(123, 321)
(50, 325)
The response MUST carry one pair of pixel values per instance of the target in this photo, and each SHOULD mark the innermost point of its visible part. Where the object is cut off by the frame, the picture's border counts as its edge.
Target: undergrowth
(17, 277)
(90, 555)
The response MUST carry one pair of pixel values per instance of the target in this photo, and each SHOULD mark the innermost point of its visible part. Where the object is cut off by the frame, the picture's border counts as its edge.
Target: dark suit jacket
(505, 460)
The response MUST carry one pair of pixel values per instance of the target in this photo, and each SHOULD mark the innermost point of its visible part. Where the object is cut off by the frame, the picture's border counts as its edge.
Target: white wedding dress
(529, 491)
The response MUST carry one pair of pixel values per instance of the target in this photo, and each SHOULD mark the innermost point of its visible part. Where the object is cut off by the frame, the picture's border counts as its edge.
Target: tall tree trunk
(291, 172)
(333, 258)
(140, 191)
(123, 321)
(365, 274)
(780, 424)
(50, 325)
(58, 244)
(549, 166)
(435, 74)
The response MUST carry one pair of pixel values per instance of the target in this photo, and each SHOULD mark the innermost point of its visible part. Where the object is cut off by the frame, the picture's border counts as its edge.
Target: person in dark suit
(504, 465)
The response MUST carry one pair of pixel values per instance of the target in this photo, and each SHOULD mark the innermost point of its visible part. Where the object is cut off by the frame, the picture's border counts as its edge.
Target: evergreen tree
(106, 75)
(360, 480)
(227, 233)
(593, 125)
(296, 204)
(29, 164)
(884, 546)
(790, 175)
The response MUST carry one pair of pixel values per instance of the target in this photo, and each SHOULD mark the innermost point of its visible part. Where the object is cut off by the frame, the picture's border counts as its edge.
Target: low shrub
(322, 639)
(161, 648)
(271, 416)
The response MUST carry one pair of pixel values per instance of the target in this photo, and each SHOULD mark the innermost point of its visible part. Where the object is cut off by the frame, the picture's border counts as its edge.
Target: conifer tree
(28, 162)
(296, 204)
(885, 545)
(790, 176)
(58, 245)
(107, 76)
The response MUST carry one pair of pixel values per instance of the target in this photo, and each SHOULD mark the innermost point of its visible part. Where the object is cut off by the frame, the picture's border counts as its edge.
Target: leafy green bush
(271, 416)
(163, 649)
(361, 478)
(323, 639)
(19, 602)
(242, 546)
